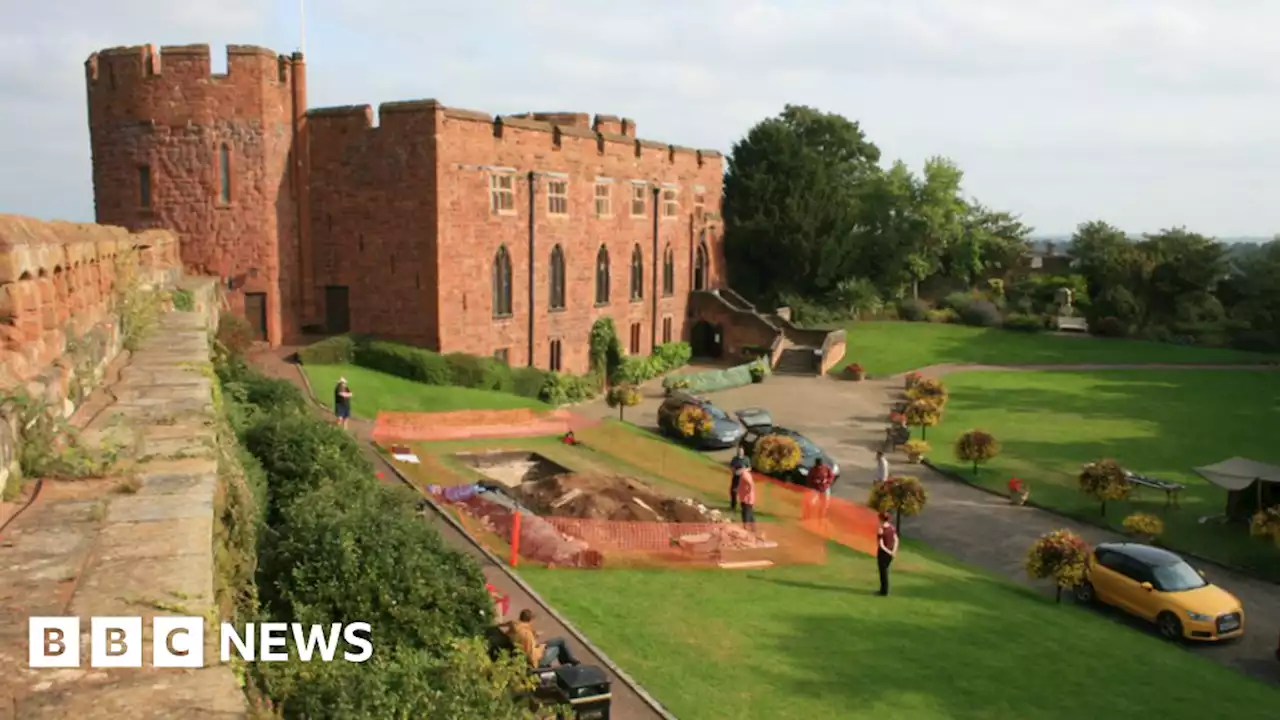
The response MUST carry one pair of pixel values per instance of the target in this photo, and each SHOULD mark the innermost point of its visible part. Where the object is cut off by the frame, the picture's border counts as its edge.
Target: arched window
(224, 171)
(556, 301)
(700, 266)
(502, 283)
(669, 272)
(602, 276)
(637, 273)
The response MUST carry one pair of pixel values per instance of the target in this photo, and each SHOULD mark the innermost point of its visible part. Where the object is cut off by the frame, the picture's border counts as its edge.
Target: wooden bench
(1171, 489)
(1067, 323)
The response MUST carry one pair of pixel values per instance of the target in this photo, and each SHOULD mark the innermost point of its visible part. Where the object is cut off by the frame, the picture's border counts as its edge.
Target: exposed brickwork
(395, 214)
(164, 110)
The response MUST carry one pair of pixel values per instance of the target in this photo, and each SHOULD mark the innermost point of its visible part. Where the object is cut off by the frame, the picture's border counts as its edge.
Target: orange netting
(795, 522)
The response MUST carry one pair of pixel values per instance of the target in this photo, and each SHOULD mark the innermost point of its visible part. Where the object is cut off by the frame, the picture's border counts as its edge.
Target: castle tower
(210, 157)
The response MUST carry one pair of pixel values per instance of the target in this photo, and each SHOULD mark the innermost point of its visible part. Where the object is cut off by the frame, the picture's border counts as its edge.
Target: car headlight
(1199, 617)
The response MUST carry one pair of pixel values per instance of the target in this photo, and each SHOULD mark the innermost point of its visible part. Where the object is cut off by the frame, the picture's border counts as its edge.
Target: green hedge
(337, 350)
(635, 369)
(340, 547)
(711, 380)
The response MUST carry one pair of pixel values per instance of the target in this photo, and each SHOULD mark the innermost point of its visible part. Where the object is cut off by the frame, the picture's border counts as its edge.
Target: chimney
(1049, 249)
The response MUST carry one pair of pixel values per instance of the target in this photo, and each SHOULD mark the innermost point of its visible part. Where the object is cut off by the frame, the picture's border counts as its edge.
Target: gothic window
(502, 283)
(556, 301)
(602, 276)
(637, 273)
(669, 272)
(700, 267)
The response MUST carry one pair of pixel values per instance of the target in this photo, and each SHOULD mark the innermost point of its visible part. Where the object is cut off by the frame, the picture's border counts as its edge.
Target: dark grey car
(725, 431)
(759, 424)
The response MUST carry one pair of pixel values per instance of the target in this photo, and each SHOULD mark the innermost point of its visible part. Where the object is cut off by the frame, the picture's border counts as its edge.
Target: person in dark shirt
(342, 402)
(887, 539)
(737, 465)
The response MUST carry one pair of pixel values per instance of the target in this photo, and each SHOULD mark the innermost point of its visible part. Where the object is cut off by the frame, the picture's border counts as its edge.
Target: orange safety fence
(797, 521)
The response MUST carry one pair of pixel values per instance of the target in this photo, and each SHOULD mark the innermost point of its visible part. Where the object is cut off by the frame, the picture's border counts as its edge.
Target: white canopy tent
(1237, 474)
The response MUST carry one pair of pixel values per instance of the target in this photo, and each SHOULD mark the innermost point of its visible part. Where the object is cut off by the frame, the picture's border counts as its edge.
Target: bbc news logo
(178, 642)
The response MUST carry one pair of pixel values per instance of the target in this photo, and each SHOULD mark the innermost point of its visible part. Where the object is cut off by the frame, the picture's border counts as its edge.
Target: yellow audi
(1160, 587)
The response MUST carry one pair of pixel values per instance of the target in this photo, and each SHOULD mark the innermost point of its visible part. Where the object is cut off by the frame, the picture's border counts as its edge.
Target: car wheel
(1170, 626)
(1085, 594)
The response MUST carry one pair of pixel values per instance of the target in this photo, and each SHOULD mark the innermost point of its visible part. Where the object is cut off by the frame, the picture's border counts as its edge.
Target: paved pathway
(627, 704)
(848, 419)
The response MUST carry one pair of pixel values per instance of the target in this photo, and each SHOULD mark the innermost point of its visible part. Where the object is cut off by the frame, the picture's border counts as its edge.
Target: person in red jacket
(820, 479)
(887, 539)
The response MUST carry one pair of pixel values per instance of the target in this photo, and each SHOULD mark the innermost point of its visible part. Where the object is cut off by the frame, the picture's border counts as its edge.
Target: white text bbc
(178, 642)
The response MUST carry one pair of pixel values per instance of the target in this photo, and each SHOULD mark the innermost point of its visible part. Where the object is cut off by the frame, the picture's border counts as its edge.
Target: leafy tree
(623, 396)
(923, 414)
(899, 495)
(977, 447)
(793, 203)
(930, 389)
(1060, 555)
(775, 455)
(1105, 481)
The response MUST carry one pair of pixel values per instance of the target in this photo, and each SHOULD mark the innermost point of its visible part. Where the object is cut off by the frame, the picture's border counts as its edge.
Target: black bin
(587, 691)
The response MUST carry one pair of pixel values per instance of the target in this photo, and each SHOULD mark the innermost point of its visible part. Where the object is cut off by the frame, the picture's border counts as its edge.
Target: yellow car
(1160, 587)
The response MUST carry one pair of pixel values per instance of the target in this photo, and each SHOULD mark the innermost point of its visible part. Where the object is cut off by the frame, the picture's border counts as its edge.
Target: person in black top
(342, 402)
(738, 464)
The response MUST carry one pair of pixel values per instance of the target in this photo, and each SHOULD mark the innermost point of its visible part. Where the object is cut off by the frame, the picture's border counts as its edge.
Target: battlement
(139, 63)
(603, 130)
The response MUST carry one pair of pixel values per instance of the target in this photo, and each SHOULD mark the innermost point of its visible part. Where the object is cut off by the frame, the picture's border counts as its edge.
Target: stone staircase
(796, 361)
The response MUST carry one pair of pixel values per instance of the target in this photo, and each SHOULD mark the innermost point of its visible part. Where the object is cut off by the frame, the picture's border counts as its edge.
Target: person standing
(747, 497)
(882, 467)
(820, 479)
(737, 465)
(887, 540)
(342, 402)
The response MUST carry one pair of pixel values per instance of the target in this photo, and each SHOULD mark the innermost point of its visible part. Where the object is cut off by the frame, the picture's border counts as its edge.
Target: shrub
(1105, 481)
(622, 397)
(912, 379)
(413, 590)
(675, 382)
(1024, 323)
(565, 389)
(913, 310)
(957, 301)
(775, 455)
(923, 414)
(759, 370)
(673, 355)
(1110, 327)
(977, 447)
(336, 350)
(945, 315)
(301, 453)
(980, 313)
(1059, 555)
(528, 381)
(930, 389)
(915, 447)
(693, 422)
(183, 300)
(1266, 523)
(1144, 524)
(481, 373)
(403, 361)
(899, 495)
(234, 336)
(857, 297)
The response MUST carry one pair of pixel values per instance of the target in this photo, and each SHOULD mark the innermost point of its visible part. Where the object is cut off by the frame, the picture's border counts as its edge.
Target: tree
(775, 455)
(930, 389)
(623, 396)
(1060, 555)
(900, 495)
(1105, 481)
(793, 202)
(923, 414)
(977, 447)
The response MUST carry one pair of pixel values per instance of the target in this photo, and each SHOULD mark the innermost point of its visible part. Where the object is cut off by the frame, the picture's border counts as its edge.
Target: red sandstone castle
(446, 228)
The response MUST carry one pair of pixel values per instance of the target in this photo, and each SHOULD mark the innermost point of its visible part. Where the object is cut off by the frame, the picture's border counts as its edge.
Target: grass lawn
(887, 348)
(815, 643)
(1160, 423)
(373, 391)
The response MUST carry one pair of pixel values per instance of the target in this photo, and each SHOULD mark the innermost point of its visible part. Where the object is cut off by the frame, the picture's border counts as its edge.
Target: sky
(1145, 113)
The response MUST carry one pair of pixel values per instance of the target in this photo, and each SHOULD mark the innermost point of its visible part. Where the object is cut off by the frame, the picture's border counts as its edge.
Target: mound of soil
(609, 497)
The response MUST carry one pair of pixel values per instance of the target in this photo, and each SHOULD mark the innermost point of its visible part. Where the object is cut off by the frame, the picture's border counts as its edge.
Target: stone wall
(58, 327)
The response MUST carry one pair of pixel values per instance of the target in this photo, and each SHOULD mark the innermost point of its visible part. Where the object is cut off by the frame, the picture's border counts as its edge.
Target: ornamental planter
(1019, 498)
(914, 457)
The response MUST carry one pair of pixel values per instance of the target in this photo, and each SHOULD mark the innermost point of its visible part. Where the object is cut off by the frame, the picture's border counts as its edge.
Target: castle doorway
(255, 311)
(337, 309)
(706, 340)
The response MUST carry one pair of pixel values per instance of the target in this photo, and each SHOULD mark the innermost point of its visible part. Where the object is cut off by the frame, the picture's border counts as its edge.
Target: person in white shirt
(882, 467)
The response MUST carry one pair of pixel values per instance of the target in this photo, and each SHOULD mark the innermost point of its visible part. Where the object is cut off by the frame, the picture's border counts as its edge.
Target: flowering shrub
(1105, 481)
(912, 379)
(1060, 555)
(900, 495)
(977, 447)
(1266, 523)
(915, 448)
(622, 396)
(1144, 525)
(693, 422)
(1016, 485)
(922, 414)
(775, 455)
(855, 371)
(930, 389)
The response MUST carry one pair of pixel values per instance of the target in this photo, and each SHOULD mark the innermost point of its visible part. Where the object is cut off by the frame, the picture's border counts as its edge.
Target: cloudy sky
(1145, 113)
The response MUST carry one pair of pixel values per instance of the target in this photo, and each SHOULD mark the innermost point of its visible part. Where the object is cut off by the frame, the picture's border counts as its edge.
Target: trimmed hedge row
(635, 369)
(339, 547)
